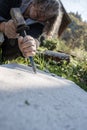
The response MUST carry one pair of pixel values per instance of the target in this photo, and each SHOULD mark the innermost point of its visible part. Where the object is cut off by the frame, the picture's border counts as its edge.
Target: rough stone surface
(40, 101)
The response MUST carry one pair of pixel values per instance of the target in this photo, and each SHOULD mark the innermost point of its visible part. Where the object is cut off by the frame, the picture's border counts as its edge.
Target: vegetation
(72, 42)
(76, 70)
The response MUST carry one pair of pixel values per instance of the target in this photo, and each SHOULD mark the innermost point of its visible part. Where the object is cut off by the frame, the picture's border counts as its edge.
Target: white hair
(52, 25)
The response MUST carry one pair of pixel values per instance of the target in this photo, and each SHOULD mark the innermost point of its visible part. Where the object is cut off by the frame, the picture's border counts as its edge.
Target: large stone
(40, 101)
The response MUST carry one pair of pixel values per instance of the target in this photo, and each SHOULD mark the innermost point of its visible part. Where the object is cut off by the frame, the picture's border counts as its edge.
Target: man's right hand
(9, 29)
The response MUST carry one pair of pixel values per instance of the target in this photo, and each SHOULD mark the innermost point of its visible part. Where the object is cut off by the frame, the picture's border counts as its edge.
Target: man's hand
(9, 29)
(27, 45)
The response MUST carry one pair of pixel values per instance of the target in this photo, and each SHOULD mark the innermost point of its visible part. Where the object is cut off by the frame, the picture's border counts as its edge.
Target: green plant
(50, 44)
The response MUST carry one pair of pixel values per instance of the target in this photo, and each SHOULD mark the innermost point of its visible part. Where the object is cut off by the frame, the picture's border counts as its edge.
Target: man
(45, 19)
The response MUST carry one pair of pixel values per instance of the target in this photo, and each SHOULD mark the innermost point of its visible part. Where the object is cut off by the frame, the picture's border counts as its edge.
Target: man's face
(35, 13)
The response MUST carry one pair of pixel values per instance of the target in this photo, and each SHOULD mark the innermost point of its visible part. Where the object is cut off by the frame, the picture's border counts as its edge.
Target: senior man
(46, 20)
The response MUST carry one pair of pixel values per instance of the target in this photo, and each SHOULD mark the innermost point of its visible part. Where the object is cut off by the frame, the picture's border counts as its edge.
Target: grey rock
(39, 101)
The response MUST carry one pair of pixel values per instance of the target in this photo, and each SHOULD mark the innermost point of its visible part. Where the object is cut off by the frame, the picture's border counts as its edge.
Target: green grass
(75, 71)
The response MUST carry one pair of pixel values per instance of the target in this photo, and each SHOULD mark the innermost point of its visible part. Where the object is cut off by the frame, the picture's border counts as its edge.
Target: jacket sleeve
(5, 6)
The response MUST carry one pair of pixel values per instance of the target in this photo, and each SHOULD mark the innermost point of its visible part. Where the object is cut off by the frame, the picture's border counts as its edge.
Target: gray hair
(49, 7)
(53, 11)
(56, 25)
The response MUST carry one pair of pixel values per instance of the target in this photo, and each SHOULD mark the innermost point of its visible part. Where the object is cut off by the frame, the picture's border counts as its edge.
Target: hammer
(21, 28)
